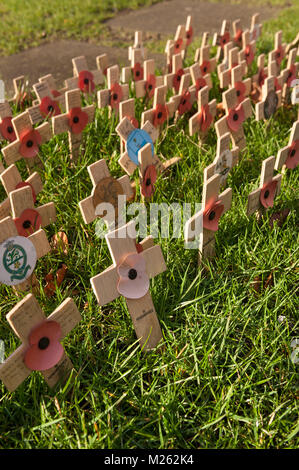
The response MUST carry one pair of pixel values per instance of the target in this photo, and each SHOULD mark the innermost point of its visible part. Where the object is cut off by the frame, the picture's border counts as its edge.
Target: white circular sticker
(223, 165)
(17, 260)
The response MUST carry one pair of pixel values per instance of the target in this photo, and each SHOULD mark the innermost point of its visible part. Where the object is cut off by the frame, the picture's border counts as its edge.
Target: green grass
(224, 376)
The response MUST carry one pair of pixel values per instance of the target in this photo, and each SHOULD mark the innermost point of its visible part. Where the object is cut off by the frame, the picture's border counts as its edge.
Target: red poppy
(205, 67)
(199, 84)
(55, 93)
(212, 214)
(177, 79)
(137, 72)
(178, 46)
(240, 89)
(150, 86)
(160, 114)
(235, 118)
(268, 193)
(238, 37)
(28, 222)
(24, 184)
(205, 118)
(189, 35)
(185, 103)
(116, 95)
(149, 180)
(133, 121)
(139, 247)
(279, 54)
(105, 71)
(48, 107)
(224, 39)
(78, 120)
(30, 142)
(85, 81)
(7, 130)
(249, 54)
(278, 87)
(262, 77)
(293, 155)
(45, 350)
(291, 75)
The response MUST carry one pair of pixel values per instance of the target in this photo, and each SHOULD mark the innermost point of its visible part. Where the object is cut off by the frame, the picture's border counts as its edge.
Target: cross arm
(67, 315)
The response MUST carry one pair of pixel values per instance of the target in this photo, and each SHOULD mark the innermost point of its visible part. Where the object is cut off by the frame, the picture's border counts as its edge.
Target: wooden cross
(271, 100)
(51, 83)
(11, 180)
(255, 28)
(224, 161)
(224, 69)
(222, 38)
(22, 95)
(138, 44)
(199, 79)
(186, 96)
(28, 141)
(40, 337)
(236, 114)
(6, 128)
(173, 80)
(263, 197)
(46, 104)
(289, 74)
(279, 51)
(129, 276)
(237, 33)
(106, 189)
(258, 79)
(146, 87)
(204, 118)
(214, 205)
(279, 76)
(248, 51)
(202, 56)
(18, 255)
(102, 63)
(115, 93)
(73, 121)
(83, 78)
(176, 46)
(189, 33)
(288, 157)
(127, 109)
(242, 87)
(135, 71)
(161, 111)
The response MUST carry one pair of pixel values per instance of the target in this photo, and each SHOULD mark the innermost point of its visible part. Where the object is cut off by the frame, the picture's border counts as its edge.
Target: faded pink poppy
(249, 54)
(49, 107)
(24, 184)
(240, 89)
(30, 142)
(185, 103)
(45, 350)
(28, 222)
(150, 86)
(85, 81)
(116, 95)
(235, 118)
(212, 214)
(149, 180)
(205, 118)
(133, 279)
(7, 130)
(267, 194)
(293, 155)
(177, 79)
(78, 120)
(137, 72)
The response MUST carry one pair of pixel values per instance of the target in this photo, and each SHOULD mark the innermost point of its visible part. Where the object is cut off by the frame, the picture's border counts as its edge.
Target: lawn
(223, 376)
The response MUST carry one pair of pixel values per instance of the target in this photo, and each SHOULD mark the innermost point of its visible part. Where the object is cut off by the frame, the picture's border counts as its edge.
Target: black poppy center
(277, 54)
(238, 93)
(177, 46)
(75, 120)
(86, 81)
(292, 153)
(29, 143)
(43, 343)
(50, 108)
(178, 78)
(212, 215)
(115, 96)
(132, 274)
(26, 224)
(235, 117)
(150, 87)
(148, 182)
(160, 114)
(184, 101)
(266, 195)
(205, 69)
(224, 40)
(9, 129)
(137, 73)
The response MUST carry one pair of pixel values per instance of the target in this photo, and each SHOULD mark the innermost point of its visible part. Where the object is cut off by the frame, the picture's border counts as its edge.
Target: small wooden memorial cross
(189, 33)
(236, 114)
(289, 75)
(134, 72)
(18, 255)
(221, 39)
(270, 102)
(129, 276)
(51, 83)
(115, 93)
(237, 33)
(73, 121)
(127, 109)
(173, 80)
(186, 96)
(199, 79)
(262, 198)
(225, 71)
(161, 111)
(22, 95)
(255, 28)
(146, 87)
(248, 51)
(279, 51)
(214, 205)
(40, 337)
(106, 189)
(28, 141)
(6, 128)
(202, 57)
(11, 180)
(46, 106)
(138, 44)
(242, 87)
(225, 160)
(258, 79)
(202, 121)
(83, 78)
(175, 46)
(102, 63)
(288, 157)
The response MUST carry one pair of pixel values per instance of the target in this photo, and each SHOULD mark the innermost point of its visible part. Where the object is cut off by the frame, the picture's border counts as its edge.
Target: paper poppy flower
(116, 95)
(160, 114)
(212, 214)
(199, 84)
(78, 120)
(235, 118)
(177, 79)
(137, 71)
(205, 118)
(279, 54)
(291, 75)
(133, 121)
(24, 184)
(262, 77)
(249, 54)
(185, 103)
(224, 39)
(148, 181)
(30, 142)
(55, 93)
(150, 86)
(205, 67)
(238, 37)
(7, 130)
(268, 193)
(45, 350)
(178, 46)
(28, 222)
(133, 280)
(85, 81)
(48, 107)
(293, 155)
(189, 36)
(240, 90)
